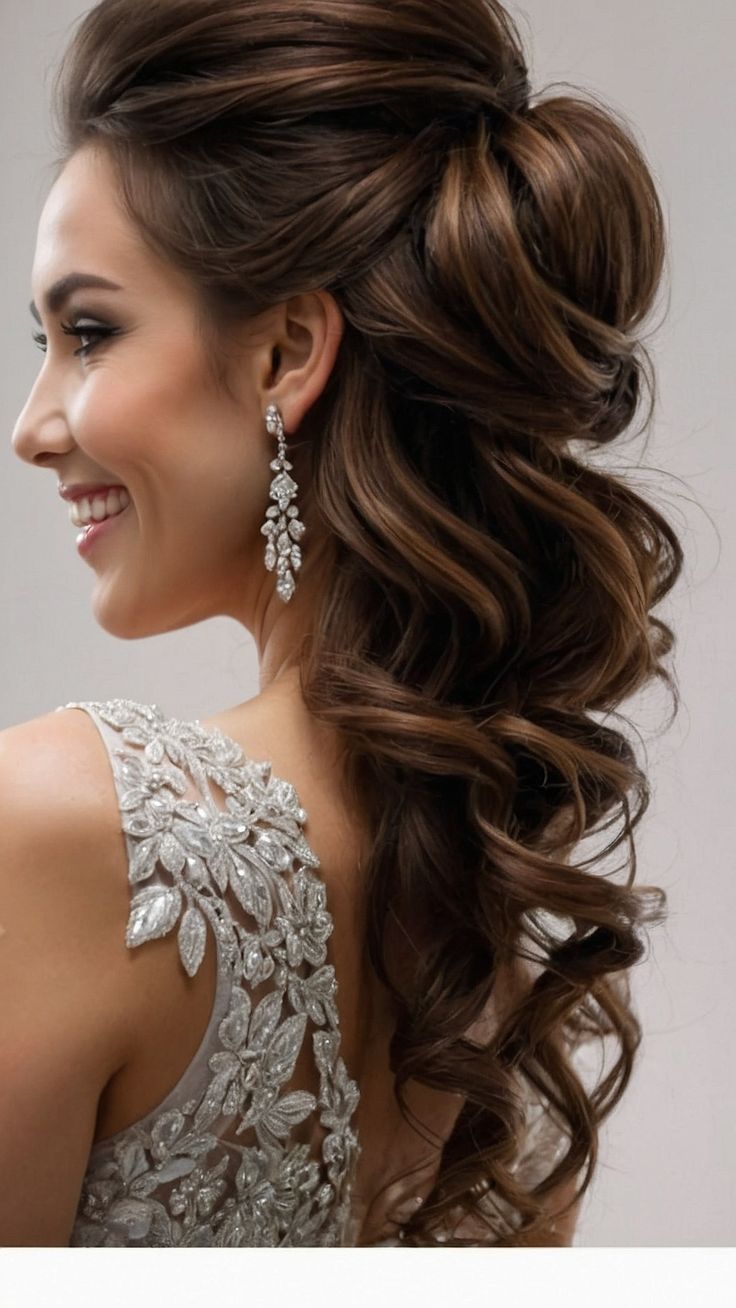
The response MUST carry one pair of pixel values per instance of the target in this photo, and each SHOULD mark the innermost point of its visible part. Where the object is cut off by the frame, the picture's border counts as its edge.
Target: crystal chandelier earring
(282, 526)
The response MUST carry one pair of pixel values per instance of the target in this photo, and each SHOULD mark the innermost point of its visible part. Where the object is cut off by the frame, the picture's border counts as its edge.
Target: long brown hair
(490, 593)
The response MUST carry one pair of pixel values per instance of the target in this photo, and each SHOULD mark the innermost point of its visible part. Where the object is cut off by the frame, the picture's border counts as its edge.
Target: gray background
(668, 1153)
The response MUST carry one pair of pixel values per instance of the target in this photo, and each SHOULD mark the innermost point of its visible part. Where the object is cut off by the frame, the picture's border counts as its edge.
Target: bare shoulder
(59, 835)
(54, 765)
(61, 1024)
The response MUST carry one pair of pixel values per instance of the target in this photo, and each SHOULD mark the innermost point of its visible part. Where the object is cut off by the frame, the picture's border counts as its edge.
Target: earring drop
(282, 526)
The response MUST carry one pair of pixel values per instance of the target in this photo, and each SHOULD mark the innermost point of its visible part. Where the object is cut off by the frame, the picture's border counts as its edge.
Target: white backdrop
(668, 1169)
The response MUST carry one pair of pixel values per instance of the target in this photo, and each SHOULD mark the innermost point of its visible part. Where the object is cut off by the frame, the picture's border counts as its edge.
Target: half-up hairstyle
(491, 592)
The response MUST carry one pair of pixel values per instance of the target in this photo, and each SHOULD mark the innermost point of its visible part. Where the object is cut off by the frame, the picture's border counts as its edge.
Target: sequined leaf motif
(214, 744)
(131, 1159)
(213, 1189)
(220, 865)
(153, 913)
(155, 751)
(193, 1145)
(229, 779)
(133, 788)
(140, 733)
(252, 889)
(132, 1217)
(325, 1045)
(145, 1186)
(171, 854)
(127, 715)
(143, 859)
(118, 712)
(149, 818)
(226, 1068)
(315, 995)
(194, 832)
(234, 1026)
(234, 824)
(305, 921)
(306, 853)
(173, 750)
(310, 1226)
(289, 826)
(192, 938)
(195, 813)
(176, 1168)
(265, 1020)
(265, 856)
(228, 831)
(288, 1112)
(285, 797)
(284, 1050)
(273, 852)
(223, 1092)
(249, 1171)
(140, 779)
(258, 965)
(197, 872)
(212, 1105)
(339, 1095)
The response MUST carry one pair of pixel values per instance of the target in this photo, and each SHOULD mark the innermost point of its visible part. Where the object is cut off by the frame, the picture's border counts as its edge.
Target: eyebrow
(75, 281)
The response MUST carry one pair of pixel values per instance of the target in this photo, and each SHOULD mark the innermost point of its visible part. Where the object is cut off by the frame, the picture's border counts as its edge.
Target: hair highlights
(490, 592)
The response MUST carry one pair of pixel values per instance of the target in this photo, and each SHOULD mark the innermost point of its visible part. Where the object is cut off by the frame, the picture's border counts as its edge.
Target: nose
(41, 432)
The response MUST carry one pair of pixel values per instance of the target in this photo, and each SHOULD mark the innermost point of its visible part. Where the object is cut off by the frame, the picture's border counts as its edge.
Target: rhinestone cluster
(282, 527)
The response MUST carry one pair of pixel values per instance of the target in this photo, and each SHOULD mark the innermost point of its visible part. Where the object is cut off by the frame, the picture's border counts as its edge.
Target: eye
(79, 329)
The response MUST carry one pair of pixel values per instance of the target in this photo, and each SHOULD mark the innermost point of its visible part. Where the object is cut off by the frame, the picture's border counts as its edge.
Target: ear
(306, 335)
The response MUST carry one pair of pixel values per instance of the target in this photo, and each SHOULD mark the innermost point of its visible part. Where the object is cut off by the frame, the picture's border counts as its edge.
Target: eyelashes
(79, 330)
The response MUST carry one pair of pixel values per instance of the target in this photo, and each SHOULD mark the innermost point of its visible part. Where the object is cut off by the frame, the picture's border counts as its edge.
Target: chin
(127, 631)
(126, 624)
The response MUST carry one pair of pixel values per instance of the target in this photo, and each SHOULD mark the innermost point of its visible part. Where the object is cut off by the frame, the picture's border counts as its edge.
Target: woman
(332, 316)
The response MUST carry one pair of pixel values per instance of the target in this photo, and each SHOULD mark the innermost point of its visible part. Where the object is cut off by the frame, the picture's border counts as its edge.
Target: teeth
(84, 511)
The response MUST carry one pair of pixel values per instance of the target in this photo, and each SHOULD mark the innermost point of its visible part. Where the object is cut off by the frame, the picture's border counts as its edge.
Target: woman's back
(275, 725)
(251, 1141)
(193, 1036)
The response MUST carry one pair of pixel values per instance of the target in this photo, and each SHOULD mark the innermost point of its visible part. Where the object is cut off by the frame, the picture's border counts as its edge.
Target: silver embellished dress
(234, 1155)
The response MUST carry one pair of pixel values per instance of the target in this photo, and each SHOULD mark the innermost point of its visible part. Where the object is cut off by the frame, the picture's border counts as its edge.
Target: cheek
(188, 459)
(142, 414)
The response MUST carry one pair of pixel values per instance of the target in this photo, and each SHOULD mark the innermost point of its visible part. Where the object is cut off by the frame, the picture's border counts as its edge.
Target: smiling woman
(341, 309)
(145, 410)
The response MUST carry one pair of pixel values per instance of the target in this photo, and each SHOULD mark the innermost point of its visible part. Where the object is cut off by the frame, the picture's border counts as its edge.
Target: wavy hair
(490, 591)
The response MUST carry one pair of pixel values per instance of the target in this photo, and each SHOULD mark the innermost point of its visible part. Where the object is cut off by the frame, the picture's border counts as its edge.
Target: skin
(142, 409)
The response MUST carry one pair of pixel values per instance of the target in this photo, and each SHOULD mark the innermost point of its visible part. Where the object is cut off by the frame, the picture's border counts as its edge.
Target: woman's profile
(336, 315)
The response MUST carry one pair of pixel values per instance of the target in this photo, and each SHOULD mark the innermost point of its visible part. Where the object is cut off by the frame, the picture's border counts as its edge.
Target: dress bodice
(237, 1154)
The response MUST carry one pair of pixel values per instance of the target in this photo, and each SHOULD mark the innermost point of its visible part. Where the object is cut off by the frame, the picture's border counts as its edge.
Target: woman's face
(142, 408)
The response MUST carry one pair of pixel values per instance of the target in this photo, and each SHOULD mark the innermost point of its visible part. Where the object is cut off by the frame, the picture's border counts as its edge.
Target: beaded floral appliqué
(180, 1182)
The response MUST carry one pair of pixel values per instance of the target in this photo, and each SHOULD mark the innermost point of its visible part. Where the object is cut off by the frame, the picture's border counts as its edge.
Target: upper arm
(58, 1035)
